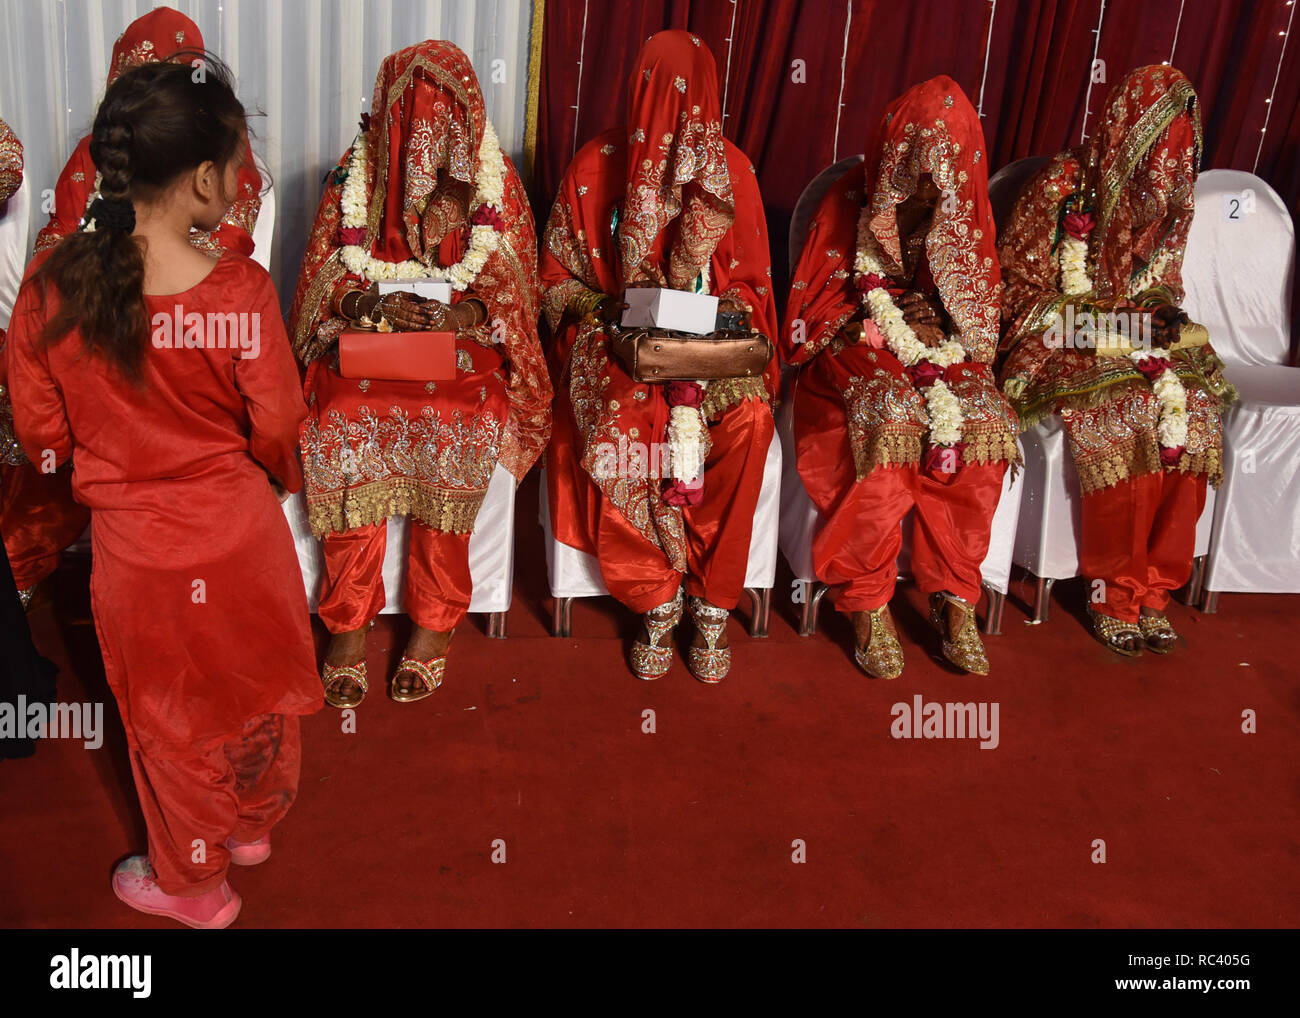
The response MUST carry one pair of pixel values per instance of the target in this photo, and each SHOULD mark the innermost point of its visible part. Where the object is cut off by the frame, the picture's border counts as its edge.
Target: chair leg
(562, 617)
(1197, 583)
(496, 627)
(1042, 598)
(993, 614)
(813, 592)
(1190, 593)
(1210, 602)
(760, 600)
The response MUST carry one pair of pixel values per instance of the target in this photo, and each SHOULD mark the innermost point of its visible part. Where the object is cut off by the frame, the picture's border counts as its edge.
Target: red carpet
(539, 742)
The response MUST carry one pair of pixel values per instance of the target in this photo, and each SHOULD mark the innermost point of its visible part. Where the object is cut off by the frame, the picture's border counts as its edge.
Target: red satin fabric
(240, 789)
(717, 532)
(438, 585)
(196, 591)
(38, 518)
(1139, 537)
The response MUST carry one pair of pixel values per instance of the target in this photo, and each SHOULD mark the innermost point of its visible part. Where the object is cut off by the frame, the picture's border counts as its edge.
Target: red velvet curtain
(781, 63)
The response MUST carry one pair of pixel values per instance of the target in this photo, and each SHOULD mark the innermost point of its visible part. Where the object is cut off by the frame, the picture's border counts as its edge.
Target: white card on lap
(654, 307)
(430, 289)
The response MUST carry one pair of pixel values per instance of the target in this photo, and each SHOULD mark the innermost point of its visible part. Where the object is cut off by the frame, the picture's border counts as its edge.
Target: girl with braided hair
(182, 441)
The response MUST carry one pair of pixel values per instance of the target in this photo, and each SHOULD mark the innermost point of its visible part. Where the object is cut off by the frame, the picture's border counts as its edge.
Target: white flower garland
(1171, 397)
(484, 239)
(685, 435)
(942, 406)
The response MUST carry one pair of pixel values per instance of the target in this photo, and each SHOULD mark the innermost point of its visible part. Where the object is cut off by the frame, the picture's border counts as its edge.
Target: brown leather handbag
(657, 355)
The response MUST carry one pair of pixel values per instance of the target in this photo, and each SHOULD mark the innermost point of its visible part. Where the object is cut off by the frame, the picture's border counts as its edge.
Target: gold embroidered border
(890, 446)
(450, 510)
(1136, 458)
(724, 393)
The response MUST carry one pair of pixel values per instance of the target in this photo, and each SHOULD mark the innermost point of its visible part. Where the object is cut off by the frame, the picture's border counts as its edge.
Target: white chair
(574, 573)
(13, 249)
(1238, 274)
(264, 228)
(800, 519)
(491, 554)
(1050, 526)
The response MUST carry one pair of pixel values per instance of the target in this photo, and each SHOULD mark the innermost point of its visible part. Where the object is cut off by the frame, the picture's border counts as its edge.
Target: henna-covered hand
(1166, 325)
(919, 310)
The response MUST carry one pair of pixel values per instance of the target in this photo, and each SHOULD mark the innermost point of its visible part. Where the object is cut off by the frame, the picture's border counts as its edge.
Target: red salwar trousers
(856, 552)
(39, 518)
(438, 584)
(717, 531)
(240, 790)
(1139, 537)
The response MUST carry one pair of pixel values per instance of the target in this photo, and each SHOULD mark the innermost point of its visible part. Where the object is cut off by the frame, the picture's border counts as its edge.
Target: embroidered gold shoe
(652, 660)
(332, 677)
(709, 663)
(1158, 633)
(1122, 637)
(429, 673)
(882, 656)
(965, 649)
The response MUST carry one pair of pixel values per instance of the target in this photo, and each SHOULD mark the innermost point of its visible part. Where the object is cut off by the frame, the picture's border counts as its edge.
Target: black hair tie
(112, 214)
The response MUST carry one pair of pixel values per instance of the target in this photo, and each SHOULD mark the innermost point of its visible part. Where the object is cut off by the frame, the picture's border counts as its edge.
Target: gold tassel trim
(450, 510)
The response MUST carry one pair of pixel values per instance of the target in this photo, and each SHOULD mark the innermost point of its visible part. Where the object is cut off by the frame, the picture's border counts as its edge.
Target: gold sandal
(966, 649)
(1111, 631)
(882, 657)
(1158, 633)
(709, 663)
(429, 672)
(652, 660)
(332, 675)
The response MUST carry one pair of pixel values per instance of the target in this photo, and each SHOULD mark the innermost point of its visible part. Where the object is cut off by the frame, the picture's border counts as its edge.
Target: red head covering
(427, 123)
(153, 36)
(676, 163)
(1139, 172)
(933, 128)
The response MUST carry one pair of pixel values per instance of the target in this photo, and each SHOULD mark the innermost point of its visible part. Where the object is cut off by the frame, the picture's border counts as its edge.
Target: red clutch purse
(398, 356)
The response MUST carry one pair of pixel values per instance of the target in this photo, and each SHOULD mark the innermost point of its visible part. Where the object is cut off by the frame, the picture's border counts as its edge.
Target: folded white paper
(430, 289)
(654, 307)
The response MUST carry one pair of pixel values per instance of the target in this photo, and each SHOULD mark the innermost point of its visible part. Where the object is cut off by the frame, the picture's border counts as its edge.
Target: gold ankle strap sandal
(1158, 633)
(652, 660)
(1116, 633)
(429, 673)
(333, 675)
(709, 663)
(965, 649)
(882, 657)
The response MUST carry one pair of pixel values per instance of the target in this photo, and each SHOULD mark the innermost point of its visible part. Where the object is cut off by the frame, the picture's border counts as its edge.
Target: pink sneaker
(249, 853)
(134, 884)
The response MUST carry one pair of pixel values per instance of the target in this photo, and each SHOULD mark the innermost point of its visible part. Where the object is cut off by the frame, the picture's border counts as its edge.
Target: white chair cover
(574, 573)
(1238, 274)
(491, 550)
(13, 250)
(1239, 265)
(264, 228)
